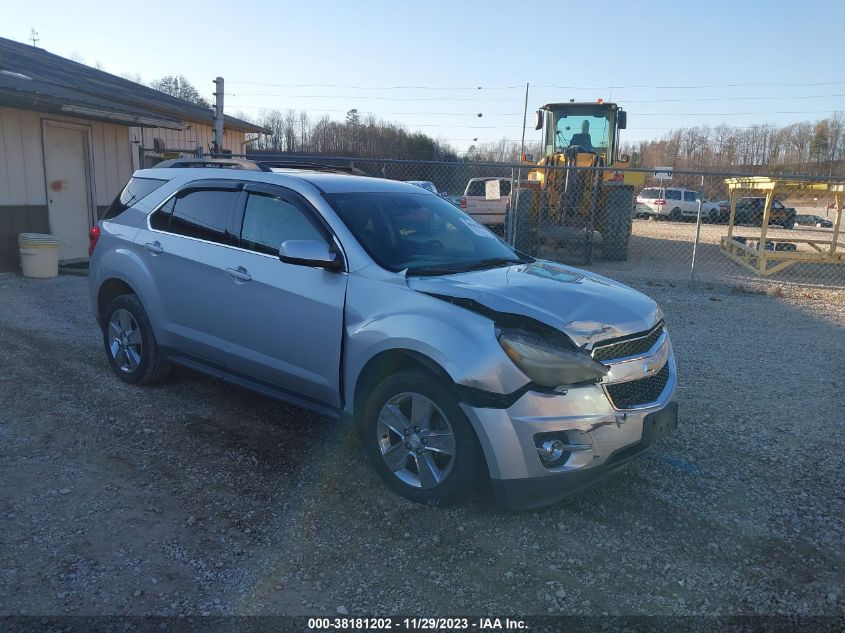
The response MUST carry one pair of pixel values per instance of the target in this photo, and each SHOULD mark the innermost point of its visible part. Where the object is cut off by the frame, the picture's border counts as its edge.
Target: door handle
(154, 247)
(240, 273)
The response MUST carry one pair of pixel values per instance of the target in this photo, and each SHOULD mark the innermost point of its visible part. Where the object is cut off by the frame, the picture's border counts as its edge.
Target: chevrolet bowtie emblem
(655, 363)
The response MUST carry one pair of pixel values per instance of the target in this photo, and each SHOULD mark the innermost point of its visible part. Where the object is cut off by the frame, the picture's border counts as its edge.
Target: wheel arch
(388, 362)
(109, 290)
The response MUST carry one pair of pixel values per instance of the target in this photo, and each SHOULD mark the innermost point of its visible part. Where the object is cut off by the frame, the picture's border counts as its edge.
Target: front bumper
(606, 439)
(529, 493)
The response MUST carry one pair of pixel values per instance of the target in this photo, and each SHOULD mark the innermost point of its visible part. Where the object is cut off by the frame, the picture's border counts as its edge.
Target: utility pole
(218, 116)
(524, 117)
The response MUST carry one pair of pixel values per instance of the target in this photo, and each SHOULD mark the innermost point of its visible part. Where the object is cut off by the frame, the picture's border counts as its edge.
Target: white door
(68, 191)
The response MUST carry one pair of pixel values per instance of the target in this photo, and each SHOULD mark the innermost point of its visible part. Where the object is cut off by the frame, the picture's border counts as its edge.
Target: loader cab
(589, 127)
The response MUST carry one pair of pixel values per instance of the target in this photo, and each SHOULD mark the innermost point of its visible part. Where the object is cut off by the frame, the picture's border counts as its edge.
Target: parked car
(424, 184)
(749, 210)
(813, 220)
(724, 210)
(455, 200)
(377, 303)
(674, 203)
(488, 210)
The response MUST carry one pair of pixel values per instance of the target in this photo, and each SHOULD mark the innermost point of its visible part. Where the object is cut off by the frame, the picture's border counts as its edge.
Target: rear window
(479, 188)
(136, 189)
(650, 194)
(476, 188)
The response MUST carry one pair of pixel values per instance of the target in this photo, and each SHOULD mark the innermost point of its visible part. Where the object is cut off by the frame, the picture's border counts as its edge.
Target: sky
(434, 66)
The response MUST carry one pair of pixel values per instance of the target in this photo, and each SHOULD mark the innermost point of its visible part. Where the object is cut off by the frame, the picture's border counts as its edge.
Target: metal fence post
(697, 234)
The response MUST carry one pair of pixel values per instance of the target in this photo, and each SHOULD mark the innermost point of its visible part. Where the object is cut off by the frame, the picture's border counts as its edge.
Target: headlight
(548, 365)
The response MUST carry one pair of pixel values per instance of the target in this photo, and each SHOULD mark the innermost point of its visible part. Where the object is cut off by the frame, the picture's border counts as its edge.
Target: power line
(779, 98)
(522, 86)
(700, 86)
(491, 127)
(480, 99)
(275, 94)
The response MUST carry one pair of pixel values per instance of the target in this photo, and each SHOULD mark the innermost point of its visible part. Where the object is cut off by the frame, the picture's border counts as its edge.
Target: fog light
(552, 449)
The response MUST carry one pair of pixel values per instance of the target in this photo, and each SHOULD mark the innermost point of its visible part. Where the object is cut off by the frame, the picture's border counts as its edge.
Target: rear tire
(130, 343)
(675, 215)
(419, 440)
(616, 229)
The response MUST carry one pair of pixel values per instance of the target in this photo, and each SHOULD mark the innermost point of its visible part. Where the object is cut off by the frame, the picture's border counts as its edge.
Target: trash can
(39, 254)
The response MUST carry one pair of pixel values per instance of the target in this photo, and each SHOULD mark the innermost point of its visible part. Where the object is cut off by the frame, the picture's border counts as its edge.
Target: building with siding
(70, 137)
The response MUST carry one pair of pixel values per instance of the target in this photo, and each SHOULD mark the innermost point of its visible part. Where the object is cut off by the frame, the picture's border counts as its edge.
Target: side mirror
(622, 119)
(538, 120)
(624, 158)
(309, 253)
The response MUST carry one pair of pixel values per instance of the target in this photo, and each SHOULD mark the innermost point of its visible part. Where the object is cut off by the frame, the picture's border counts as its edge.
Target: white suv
(674, 203)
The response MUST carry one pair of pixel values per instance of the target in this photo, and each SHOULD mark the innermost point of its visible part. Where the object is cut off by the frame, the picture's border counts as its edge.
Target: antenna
(33, 36)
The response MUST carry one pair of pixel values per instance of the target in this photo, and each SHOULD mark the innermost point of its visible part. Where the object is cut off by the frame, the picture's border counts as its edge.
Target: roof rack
(220, 163)
(283, 164)
(255, 165)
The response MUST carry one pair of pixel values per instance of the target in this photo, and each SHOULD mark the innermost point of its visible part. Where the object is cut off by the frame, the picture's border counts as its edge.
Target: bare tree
(179, 87)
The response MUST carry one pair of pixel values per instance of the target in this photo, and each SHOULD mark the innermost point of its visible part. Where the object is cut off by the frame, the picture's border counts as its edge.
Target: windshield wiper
(463, 267)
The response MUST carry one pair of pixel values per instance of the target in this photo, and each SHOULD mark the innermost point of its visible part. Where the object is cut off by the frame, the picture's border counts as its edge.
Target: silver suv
(374, 301)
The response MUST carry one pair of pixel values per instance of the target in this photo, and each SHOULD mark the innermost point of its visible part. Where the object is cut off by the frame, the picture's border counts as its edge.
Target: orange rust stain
(57, 185)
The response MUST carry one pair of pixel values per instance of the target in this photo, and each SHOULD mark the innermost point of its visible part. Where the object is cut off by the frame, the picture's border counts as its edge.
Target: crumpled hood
(585, 306)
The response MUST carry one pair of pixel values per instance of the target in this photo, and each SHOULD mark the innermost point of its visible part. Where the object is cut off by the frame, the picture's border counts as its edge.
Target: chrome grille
(634, 393)
(631, 346)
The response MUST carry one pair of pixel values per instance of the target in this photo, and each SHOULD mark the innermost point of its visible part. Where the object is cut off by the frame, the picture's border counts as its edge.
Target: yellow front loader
(582, 207)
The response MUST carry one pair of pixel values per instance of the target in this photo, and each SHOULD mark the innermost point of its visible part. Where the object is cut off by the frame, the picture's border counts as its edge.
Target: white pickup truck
(486, 199)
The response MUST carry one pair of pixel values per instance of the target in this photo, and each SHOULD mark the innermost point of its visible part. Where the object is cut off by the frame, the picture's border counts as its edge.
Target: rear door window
(199, 213)
(673, 194)
(136, 189)
(689, 196)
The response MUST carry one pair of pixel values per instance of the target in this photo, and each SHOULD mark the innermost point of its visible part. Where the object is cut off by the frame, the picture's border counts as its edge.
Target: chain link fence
(638, 225)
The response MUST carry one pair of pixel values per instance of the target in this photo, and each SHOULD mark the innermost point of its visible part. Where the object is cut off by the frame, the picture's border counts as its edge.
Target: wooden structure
(767, 255)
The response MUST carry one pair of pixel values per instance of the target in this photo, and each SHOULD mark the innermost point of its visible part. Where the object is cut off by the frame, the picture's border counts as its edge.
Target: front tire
(130, 343)
(419, 440)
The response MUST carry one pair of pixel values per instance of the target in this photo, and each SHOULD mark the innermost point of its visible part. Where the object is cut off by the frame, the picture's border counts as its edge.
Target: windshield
(589, 130)
(419, 232)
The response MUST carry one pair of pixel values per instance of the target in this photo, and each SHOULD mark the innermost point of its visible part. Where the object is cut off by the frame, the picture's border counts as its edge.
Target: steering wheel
(430, 246)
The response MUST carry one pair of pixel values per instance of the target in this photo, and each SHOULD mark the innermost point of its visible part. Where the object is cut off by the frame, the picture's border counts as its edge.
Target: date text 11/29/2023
(415, 624)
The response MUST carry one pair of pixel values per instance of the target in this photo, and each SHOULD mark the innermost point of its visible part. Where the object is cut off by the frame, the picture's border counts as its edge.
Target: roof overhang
(50, 104)
(120, 117)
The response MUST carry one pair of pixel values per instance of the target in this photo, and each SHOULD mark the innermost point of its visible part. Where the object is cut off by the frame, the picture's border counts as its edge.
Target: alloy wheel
(416, 440)
(125, 343)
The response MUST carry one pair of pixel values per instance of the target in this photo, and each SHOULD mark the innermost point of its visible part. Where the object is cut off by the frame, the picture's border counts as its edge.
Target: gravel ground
(190, 497)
